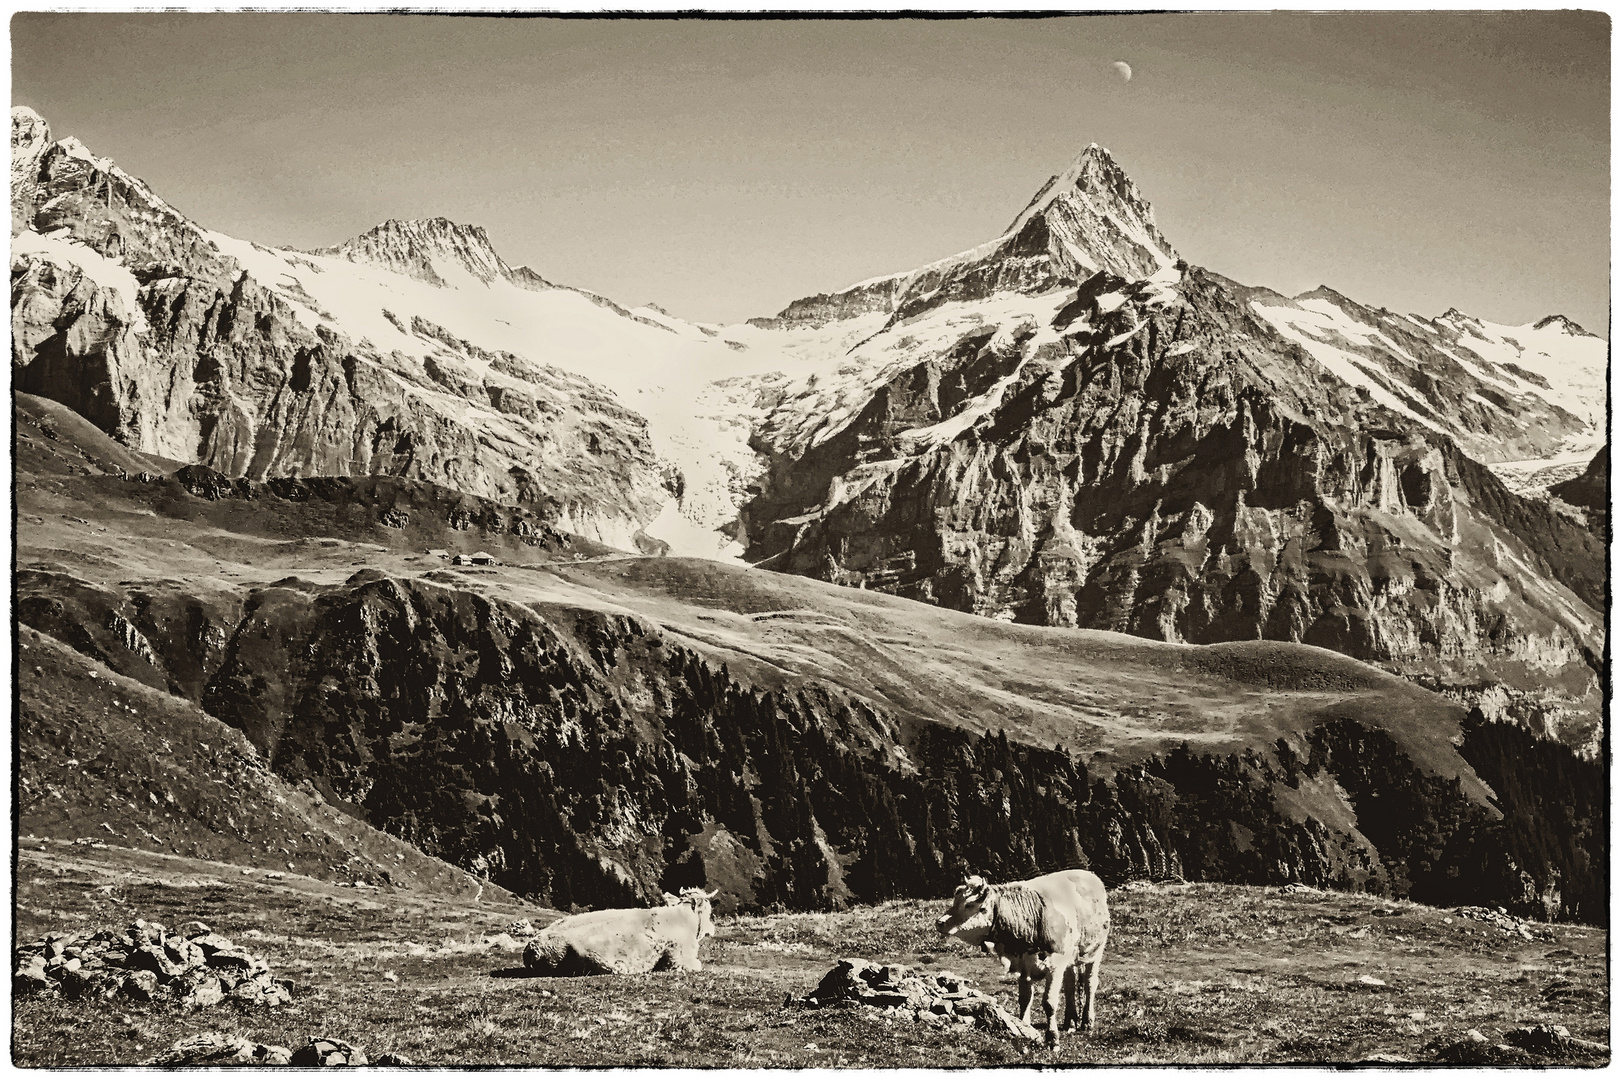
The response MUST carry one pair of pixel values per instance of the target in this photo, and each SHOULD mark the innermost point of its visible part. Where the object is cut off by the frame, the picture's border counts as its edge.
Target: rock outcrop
(1590, 492)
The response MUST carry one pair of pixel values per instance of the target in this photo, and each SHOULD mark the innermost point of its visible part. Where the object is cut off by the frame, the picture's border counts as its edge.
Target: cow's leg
(1089, 1010)
(1052, 991)
(1024, 998)
(1071, 974)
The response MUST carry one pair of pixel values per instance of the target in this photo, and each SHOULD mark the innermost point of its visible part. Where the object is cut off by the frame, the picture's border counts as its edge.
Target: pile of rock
(193, 966)
(898, 990)
(1506, 922)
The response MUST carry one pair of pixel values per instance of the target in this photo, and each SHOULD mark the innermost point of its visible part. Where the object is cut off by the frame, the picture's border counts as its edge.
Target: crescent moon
(1123, 69)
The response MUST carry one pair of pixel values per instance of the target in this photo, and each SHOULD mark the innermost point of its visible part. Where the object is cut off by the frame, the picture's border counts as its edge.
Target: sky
(723, 168)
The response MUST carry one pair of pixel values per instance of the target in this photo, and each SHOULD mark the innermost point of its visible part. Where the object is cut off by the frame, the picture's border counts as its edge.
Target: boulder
(328, 1053)
(202, 991)
(205, 483)
(1553, 1040)
(140, 985)
(212, 943)
(30, 976)
(145, 962)
(1476, 1049)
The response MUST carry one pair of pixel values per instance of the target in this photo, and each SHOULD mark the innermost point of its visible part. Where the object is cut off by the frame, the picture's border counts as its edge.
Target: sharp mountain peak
(425, 248)
(1562, 323)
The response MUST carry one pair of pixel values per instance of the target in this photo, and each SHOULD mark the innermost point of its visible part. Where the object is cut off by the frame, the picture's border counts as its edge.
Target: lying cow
(1049, 926)
(625, 941)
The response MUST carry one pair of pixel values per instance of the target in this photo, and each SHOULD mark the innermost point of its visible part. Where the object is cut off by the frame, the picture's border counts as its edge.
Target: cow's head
(699, 901)
(969, 917)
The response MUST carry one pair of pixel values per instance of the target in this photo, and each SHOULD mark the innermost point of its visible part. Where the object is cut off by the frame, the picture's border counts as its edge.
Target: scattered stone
(523, 928)
(392, 1059)
(1476, 1049)
(1370, 980)
(328, 1053)
(1297, 887)
(212, 1048)
(896, 989)
(203, 993)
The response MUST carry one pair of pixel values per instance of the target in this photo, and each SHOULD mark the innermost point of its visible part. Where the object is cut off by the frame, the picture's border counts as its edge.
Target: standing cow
(625, 941)
(1049, 926)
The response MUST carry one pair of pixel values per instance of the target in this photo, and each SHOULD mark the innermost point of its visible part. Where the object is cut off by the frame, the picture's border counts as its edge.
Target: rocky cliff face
(1590, 492)
(134, 316)
(1167, 458)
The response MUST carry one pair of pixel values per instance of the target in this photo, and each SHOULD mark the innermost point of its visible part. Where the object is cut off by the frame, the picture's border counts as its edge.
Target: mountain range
(1067, 430)
(1067, 425)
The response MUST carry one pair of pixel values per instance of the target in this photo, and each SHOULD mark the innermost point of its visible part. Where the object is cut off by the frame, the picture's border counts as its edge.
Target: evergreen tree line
(584, 759)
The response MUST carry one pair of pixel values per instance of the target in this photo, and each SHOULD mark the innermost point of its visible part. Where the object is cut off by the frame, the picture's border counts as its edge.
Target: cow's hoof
(1052, 1039)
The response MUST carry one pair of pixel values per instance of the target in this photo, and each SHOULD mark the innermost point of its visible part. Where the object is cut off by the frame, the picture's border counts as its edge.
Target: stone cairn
(1506, 922)
(898, 990)
(193, 966)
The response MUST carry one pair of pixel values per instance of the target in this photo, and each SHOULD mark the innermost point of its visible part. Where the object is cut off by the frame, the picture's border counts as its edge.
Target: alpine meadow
(1058, 652)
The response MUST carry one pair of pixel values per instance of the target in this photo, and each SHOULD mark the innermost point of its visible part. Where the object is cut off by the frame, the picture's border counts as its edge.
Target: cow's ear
(672, 899)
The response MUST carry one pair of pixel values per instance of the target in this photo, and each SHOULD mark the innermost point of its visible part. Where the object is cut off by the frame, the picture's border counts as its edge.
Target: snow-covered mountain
(1066, 424)
(1159, 450)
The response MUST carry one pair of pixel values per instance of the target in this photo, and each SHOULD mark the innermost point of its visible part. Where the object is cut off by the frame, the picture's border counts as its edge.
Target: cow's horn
(712, 894)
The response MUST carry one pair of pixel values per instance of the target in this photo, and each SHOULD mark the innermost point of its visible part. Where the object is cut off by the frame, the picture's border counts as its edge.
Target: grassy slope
(1195, 974)
(1115, 697)
(102, 757)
